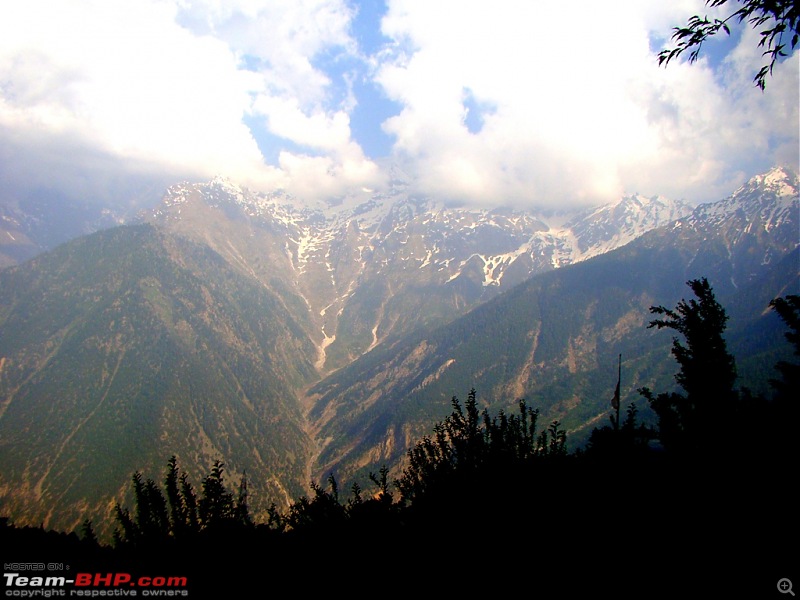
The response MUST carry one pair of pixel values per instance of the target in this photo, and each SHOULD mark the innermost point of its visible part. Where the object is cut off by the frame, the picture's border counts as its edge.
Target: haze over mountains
(292, 343)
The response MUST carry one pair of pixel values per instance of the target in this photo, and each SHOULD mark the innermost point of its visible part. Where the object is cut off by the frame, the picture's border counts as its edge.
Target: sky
(522, 103)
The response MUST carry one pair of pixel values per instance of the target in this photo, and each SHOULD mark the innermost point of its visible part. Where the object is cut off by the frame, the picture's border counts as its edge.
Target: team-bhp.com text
(94, 585)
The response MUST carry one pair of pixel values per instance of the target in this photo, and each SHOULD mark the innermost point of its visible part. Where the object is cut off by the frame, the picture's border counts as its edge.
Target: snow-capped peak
(767, 202)
(780, 180)
(612, 225)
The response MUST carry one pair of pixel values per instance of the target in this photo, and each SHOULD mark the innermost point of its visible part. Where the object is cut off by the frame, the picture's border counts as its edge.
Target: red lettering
(82, 579)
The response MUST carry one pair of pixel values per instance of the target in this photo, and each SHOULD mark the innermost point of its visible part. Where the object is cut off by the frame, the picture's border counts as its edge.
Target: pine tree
(216, 507)
(242, 509)
(699, 417)
(788, 309)
(181, 523)
(783, 411)
(88, 535)
(157, 519)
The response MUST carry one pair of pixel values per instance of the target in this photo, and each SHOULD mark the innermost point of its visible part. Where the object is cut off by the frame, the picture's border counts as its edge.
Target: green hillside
(128, 345)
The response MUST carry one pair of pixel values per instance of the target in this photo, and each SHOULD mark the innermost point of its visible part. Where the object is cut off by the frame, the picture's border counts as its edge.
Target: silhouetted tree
(326, 514)
(149, 525)
(788, 309)
(216, 506)
(189, 499)
(777, 20)
(383, 483)
(629, 441)
(157, 519)
(151, 508)
(783, 411)
(465, 448)
(322, 510)
(87, 533)
(707, 373)
(182, 500)
(242, 509)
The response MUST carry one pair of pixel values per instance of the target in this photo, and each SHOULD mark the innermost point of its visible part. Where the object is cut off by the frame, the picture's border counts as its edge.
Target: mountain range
(365, 271)
(294, 341)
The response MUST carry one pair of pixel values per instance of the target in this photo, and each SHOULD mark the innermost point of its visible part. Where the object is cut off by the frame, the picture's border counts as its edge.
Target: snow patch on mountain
(768, 201)
(347, 258)
(397, 228)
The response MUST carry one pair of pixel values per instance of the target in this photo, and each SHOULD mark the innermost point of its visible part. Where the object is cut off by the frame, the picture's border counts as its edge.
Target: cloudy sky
(486, 102)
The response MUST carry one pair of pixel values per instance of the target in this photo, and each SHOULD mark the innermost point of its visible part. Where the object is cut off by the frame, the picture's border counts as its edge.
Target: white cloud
(318, 130)
(283, 35)
(573, 106)
(322, 177)
(126, 79)
(163, 85)
(584, 112)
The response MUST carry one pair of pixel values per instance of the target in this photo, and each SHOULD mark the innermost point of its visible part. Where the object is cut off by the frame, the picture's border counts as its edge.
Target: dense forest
(494, 503)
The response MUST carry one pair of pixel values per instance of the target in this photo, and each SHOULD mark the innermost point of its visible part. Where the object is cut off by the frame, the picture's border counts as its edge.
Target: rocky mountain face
(295, 342)
(555, 339)
(369, 270)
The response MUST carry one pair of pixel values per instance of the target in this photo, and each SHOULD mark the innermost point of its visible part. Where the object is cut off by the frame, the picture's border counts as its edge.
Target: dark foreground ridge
(701, 505)
(582, 526)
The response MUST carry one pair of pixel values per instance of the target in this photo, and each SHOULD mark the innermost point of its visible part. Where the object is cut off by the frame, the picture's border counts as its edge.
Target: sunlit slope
(127, 346)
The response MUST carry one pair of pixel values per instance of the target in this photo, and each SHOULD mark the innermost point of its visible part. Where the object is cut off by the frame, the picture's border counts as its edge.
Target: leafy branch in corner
(773, 18)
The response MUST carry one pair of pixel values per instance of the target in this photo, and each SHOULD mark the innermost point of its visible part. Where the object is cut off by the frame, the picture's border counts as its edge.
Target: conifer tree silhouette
(177, 513)
(788, 309)
(697, 418)
(784, 410)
